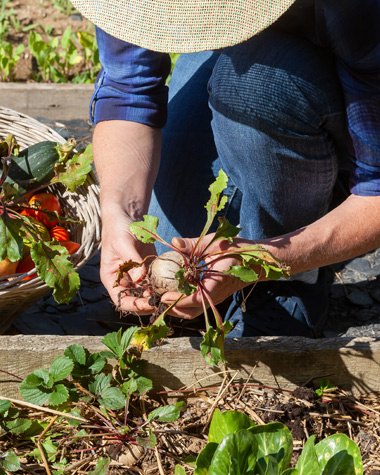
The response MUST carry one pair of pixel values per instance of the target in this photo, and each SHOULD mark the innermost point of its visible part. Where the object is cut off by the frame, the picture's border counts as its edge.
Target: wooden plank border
(351, 363)
(50, 101)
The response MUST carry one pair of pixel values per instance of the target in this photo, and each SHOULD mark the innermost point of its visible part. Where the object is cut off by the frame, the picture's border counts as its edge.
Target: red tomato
(47, 202)
(59, 233)
(26, 265)
(71, 246)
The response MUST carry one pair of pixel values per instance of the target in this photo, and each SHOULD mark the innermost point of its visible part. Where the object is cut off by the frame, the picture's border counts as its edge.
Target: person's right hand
(119, 246)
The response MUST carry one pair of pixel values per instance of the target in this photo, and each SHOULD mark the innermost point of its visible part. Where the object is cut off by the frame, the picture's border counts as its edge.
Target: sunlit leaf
(101, 466)
(235, 454)
(229, 422)
(339, 455)
(146, 230)
(74, 171)
(11, 244)
(59, 395)
(274, 440)
(145, 338)
(56, 270)
(112, 398)
(307, 463)
(61, 367)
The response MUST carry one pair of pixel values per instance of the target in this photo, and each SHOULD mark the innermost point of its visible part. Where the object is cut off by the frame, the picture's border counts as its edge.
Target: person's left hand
(219, 287)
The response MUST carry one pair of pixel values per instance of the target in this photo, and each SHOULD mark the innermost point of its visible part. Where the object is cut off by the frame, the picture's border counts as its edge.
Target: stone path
(354, 292)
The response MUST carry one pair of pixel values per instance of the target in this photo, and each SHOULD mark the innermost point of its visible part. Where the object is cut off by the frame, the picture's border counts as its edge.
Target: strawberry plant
(84, 390)
(176, 271)
(24, 173)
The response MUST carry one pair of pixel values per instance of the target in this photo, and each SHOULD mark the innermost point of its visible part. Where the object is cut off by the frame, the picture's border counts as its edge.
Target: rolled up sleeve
(131, 84)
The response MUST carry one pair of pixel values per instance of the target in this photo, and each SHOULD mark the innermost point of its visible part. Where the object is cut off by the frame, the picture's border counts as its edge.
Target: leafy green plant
(325, 386)
(190, 270)
(90, 54)
(80, 381)
(51, 259)
(55, 58)
(5, 14)
(9, 57)
(237, 446)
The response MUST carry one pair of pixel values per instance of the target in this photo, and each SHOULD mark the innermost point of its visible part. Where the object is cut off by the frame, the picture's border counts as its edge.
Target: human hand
(217, 286)
(118, 247)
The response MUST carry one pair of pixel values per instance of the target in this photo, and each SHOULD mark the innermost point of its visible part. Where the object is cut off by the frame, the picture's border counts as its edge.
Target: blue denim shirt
(131, 85)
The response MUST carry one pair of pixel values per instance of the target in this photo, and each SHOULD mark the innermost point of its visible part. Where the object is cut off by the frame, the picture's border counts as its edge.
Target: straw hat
(182, 26)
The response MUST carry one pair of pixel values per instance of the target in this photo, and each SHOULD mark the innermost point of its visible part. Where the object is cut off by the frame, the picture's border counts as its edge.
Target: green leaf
(146, 230)
(33, 393)
(43, 378)
(235, 455)
(74, 172)
(9, 461)
(76, 353)
(229, 422)
(271, 465)
(225, 230)
(165, 414)
(204, 458)
(61, 368)
(100, 383)
(179, 470)
(274, 440)
(18, 426)
(215, 203)
(54, 268)
(112, 398)
(101, 466)
(4, 406)
(184, 286)
(307, 463)
(243, 273)
(118, 342)
(339, 455)
(59, 395)
(148, 442)
(10, 241)
(140, 385)
(145, 337)
(212, 346)
(290, 471)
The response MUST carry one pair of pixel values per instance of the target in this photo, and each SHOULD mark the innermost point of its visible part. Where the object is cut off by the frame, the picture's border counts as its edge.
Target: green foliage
(9, 462)
(237, 446)
(9, 57)
(190, 277)
(55, 57)
(64, 166)
(81, 379)
(325, 386)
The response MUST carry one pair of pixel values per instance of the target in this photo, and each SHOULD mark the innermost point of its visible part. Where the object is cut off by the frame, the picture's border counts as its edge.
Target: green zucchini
(34, 166)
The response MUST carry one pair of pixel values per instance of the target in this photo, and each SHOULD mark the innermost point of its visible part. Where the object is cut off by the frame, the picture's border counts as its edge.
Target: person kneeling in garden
(281, 95)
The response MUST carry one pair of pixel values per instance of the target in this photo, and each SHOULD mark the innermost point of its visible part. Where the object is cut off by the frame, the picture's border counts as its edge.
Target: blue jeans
(271, 113)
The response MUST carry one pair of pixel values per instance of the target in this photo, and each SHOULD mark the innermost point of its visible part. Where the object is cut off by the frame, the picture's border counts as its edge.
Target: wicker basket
(17, 295)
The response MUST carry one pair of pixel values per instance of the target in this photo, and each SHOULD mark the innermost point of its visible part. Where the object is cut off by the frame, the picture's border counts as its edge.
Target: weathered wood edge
(51, 101)
(351, 363)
